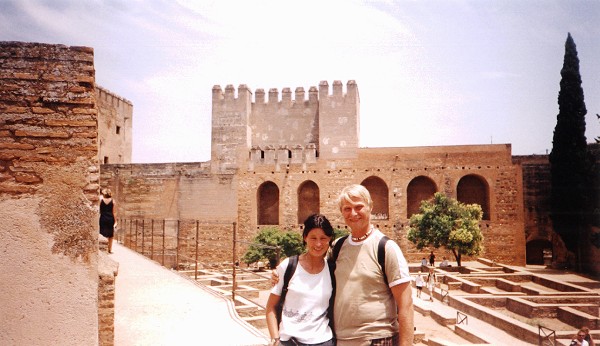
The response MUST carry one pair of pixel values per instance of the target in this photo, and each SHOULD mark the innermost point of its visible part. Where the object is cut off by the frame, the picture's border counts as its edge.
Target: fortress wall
(171, 191)
(536, 199)
(115, 115)
(49, 191)
(189, 191)
(397, 167)
(285, 122)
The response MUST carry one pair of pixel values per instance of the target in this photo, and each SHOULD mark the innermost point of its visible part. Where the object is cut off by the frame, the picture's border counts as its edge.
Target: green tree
(267, 242)
(570, 161)
(444, 221)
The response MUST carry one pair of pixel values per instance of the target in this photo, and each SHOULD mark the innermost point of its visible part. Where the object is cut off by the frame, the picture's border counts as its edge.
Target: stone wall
(538, 224)
(536, 200)
(189, 191)
(172, 191)
(48, 194)
(396, 167)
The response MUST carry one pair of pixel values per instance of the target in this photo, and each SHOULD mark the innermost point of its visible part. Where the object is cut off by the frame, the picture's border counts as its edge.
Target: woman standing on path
(305, 317)
(107, 217)
(431, 282)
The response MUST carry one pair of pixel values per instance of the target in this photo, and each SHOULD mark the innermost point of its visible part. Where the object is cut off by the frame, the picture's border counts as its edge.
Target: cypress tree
(570, 162)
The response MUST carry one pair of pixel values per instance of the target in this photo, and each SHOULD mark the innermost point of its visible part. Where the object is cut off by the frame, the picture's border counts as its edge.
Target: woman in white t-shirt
(419, 282)
(305, 313)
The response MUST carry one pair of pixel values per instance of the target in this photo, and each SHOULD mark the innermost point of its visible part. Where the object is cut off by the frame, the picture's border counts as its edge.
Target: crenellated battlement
(112, 99)
(285, 99)
(283, 127)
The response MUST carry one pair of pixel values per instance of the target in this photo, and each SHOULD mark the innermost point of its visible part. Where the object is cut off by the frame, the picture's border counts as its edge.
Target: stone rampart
(190, 191)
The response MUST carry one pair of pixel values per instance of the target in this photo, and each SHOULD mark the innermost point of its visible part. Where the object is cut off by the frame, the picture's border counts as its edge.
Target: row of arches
(471, 189)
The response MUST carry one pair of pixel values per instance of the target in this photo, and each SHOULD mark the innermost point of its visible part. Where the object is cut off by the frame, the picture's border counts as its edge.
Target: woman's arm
(272, 318)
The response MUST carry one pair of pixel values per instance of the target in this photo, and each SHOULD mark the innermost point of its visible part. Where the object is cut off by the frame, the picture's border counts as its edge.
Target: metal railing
(173, 243)
(177, 244)
(460, 318)
(546, 336)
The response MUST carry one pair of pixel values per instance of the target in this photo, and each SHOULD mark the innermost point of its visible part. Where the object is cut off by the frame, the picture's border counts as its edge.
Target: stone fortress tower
(284, 131)
(115, 115)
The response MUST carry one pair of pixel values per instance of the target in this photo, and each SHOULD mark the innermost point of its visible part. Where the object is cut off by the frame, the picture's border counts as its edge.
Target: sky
(429, 73)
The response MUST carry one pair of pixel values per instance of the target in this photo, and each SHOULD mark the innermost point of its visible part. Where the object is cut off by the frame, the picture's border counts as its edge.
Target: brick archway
(267, 202)
(419, 189)
(379, 194)
(473, 189)
(308, 200)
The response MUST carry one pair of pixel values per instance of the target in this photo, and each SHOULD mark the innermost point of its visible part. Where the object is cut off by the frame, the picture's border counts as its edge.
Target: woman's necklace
(364, 236)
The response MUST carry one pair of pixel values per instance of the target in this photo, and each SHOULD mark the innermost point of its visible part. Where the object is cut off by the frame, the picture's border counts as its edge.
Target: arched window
(419, 189)
(473, 189)
(379, 193)
(308, 200)
(268, 204)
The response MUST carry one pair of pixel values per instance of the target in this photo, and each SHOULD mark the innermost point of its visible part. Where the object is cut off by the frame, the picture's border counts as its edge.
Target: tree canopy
(444, 221)
(266, 242)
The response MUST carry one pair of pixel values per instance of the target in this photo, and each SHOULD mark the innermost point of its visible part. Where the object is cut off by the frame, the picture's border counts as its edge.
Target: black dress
(107, 219)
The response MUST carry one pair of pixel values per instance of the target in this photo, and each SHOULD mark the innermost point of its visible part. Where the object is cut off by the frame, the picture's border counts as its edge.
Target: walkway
(156, 306)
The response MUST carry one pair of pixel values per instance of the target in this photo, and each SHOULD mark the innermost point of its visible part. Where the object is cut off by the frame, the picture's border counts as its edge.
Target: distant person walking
(419, 282)
(107, 217)
(431, 259)
(431, 282)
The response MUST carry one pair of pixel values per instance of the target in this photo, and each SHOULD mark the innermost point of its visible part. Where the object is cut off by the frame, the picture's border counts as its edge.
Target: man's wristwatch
(274, 341)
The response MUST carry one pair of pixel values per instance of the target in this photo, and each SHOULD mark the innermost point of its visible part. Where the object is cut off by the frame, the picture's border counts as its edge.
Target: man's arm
(403, 297)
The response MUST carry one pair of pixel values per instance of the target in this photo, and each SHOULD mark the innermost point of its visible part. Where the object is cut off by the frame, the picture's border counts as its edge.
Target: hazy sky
(428, 72)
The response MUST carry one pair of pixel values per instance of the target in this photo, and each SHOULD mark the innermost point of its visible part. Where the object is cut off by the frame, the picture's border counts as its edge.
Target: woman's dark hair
(317, 221)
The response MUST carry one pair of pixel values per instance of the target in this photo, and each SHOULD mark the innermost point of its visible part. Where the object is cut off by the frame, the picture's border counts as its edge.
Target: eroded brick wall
(48, 191)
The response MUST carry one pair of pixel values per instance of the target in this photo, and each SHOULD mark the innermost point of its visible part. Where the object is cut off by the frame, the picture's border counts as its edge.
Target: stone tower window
(419, 189)
(473, 189)
(308, 200)
(118, 130)
(379, 193)
(268, 204)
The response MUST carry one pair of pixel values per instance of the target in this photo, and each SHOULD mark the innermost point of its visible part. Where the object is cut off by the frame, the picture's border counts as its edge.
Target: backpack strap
(289, 271)
(336, 249)
(381, 256)
(331, 265)
(380, 253)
